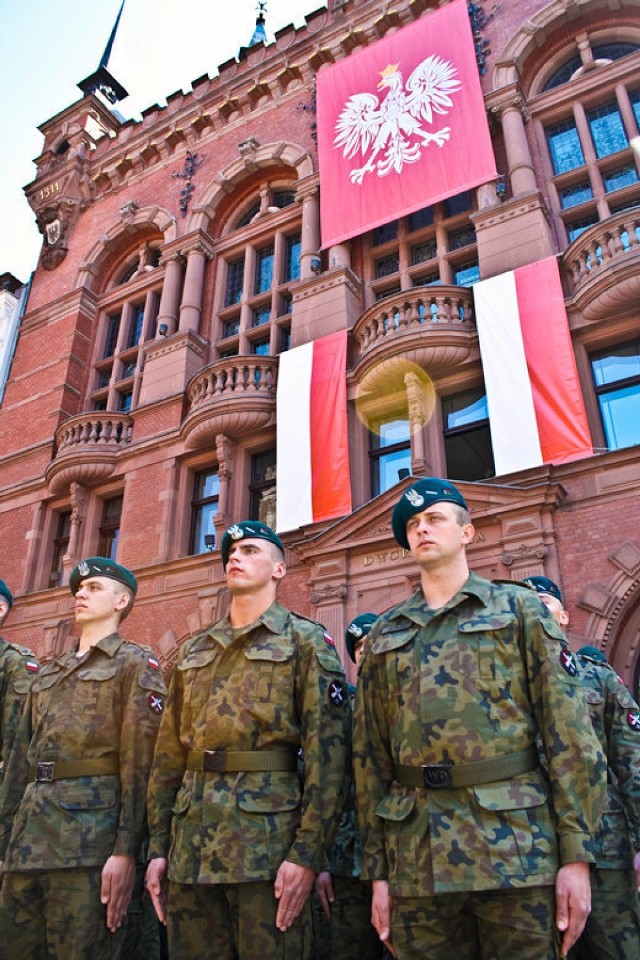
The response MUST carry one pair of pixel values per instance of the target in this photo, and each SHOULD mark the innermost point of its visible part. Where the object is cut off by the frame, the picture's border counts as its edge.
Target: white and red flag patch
(401, 125)
(314, 480)
(536, 409)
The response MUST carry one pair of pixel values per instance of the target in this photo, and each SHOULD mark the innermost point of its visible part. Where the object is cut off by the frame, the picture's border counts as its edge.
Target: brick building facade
(181, 257)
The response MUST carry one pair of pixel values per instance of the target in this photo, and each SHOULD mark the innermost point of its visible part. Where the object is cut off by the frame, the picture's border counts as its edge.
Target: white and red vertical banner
(401, 125)
(314, 479)
(536, 410)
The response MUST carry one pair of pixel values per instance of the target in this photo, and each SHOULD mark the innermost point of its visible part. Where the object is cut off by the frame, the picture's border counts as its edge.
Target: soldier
(72, 809)
(241, 832)
(460, 838)
(612, 931)
(342, 895)
(18, 669)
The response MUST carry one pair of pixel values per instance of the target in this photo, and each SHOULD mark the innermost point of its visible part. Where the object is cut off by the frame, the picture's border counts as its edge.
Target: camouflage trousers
(613, 928)
(488, 925)
(349, 934)
(143, 934)
(232, 922)
(56, 915)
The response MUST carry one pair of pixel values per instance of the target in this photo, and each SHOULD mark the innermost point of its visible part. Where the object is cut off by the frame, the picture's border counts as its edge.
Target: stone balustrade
(602, 246)
(234, 377)
(97, 429)
(415, 310)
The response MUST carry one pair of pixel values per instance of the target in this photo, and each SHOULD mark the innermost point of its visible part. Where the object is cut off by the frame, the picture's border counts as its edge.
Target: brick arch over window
(614, 624)
(133, 221)
(253, 157)
(533, 36)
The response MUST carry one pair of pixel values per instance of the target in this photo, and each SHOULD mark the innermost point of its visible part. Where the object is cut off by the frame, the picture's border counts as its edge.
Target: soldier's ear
(4, 609)
(468, 533)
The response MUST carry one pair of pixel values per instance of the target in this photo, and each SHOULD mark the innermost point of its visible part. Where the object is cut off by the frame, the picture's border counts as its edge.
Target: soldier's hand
(156, 883)
(324, 889)
(118, 875)
(573, 902)
(381, 905)
(292, 886)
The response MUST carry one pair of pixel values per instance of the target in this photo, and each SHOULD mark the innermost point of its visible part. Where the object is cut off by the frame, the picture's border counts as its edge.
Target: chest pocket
(95, 686)
(269, 674)
(199, 686)
(493, 640)
(21, 682)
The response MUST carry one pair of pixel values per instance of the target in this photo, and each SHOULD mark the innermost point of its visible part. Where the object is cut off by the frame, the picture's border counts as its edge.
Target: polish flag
(312, 440)
(536, 410)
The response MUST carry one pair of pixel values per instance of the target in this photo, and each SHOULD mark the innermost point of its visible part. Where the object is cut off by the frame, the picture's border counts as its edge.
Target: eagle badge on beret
(83, 568)
(415, 499)
(355, 630)
(235, 532)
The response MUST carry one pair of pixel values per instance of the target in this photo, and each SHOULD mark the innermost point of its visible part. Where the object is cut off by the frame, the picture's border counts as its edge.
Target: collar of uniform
(273, 618)
(109, 645)
(415, 608)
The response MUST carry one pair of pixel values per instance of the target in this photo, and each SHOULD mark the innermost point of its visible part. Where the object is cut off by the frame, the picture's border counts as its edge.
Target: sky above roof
(46, 49)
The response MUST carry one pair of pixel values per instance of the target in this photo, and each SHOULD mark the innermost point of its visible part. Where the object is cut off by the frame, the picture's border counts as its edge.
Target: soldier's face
(436, 536)
(554, 607)
(252, 564)
(98, 598)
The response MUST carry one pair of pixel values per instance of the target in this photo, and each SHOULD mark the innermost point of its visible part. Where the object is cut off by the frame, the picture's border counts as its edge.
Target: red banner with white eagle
(401, 125)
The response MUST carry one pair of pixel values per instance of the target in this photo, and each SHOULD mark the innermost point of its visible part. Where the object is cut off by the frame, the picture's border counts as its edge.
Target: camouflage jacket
(18, 669)
(105, 704)
(616, 720)
(472, 681)
(275, 683)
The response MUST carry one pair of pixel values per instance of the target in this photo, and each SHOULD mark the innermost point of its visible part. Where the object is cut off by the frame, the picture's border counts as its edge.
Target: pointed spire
(260, 33)
(103, 82)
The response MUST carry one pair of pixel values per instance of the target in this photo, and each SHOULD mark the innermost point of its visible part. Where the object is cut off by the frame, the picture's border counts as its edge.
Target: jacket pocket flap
(396, 806)
(511, 795)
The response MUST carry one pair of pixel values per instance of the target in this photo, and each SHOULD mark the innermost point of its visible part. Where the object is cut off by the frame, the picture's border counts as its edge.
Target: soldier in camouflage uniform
(72, 808)
(343, 930)
(612, 931)
(242, 835)
(18, 669)
(465, 848)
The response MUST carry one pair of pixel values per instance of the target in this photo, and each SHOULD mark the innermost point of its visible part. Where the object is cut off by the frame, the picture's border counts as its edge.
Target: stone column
(170, 297)
(340, 255)
(225, 449)
(417, 403)
(310, 239)
(198, 252)
(510, 109)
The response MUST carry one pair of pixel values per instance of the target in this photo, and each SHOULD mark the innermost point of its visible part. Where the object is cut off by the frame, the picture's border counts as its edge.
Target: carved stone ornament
(54, 222)
(522, 553)
(330, 592)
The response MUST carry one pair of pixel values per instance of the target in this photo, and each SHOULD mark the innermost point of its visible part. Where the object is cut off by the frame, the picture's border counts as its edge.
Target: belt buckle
(215, 761)
(44, 771)
(437, 776)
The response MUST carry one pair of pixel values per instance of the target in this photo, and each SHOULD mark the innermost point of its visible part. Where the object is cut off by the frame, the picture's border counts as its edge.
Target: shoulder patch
(155, 702)
(32, 665)
(568, 662)
(153, 663)
(337, 693)
(633, 719)
(329, 640)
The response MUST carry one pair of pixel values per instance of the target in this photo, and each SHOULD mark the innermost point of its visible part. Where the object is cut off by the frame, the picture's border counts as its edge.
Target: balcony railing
(94, 429)
(87, 447)
(413, 310)
(234, 396)
(233, 377)
(608, 244)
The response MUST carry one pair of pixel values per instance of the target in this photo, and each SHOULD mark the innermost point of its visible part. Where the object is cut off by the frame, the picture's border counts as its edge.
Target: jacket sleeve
(576, 765)
(372, 761)
(324, 709)
(15, 776)
(167, 771)
(143, 695)
(622, 728)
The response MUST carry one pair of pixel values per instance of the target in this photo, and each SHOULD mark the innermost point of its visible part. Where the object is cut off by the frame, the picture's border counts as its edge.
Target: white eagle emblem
(235, 532)
(415, 499)
(83, 568)
(355, 631)
(393, 126)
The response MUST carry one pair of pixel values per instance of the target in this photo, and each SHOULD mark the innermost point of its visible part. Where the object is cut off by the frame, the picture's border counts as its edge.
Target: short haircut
(122, 588)
(462, 514)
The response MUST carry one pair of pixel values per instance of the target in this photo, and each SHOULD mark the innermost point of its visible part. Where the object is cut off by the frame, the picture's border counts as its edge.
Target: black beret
(359, 627)
(544, 585)
(101, 567)
(247, 530)
(6, 593)
(418, 497)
